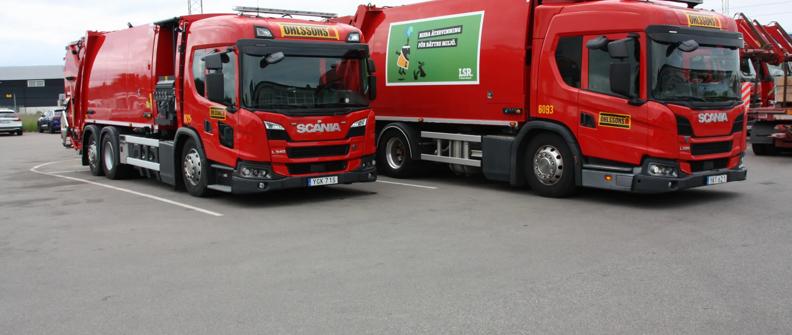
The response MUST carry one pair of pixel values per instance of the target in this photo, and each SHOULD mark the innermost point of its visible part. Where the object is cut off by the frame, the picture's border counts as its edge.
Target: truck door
(212, 120)
(613, 126)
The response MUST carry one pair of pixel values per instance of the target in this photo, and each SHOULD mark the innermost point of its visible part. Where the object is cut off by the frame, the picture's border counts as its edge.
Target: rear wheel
(194, 169)
(111, 157)
(393, 155)
(763, 149)
(92, 151)
(20, 132)
(550, 166)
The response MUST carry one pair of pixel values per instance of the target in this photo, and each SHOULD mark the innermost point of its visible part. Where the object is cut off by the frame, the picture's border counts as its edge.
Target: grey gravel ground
(467, 257)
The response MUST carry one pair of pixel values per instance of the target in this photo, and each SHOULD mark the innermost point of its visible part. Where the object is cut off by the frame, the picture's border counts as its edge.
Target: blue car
(50, 121)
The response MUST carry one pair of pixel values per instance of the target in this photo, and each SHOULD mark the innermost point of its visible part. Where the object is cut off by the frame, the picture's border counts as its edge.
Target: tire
(93, 152)
(194, 169)
(111, 157)
(763, 149)
(40, 130)
(550, 166)
(393, 155)
(19, 132)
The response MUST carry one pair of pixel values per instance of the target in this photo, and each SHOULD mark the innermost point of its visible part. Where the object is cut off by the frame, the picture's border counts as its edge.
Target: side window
(569, 57)
(229, 79)
(599, 69)
(198, 71)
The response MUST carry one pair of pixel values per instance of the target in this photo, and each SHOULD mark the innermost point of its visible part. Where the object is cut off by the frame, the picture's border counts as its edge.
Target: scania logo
(318, 127)
(713, 117)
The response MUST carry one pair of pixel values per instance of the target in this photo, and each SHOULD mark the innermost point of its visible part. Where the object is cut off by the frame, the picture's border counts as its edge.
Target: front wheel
(550, 166)
(194, 169)
(763, 149)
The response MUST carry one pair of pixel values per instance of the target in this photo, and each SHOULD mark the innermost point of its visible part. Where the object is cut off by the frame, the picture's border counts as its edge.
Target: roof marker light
(262, 32)
(353, 37)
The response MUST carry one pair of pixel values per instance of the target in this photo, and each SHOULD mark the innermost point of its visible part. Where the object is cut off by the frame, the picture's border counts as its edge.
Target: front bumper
(240, 185)
(644, 183)
(651, 184)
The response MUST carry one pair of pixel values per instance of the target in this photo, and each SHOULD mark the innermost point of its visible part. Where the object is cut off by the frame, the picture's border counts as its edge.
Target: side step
(453, 149)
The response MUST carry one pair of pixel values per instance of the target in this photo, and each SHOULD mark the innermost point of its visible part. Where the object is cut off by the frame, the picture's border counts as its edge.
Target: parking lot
(434, 255)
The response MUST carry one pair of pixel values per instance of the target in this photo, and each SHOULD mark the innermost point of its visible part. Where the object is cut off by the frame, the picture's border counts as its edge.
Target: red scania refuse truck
(640, 96)
(235, 103)
(767, 62)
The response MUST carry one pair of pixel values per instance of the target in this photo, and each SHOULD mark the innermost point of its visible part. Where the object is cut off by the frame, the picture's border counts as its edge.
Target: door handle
(91, 112)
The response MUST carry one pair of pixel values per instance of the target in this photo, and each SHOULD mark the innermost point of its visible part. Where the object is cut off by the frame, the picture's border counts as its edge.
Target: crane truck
(239, 103)
(637, 96)
(767, 63)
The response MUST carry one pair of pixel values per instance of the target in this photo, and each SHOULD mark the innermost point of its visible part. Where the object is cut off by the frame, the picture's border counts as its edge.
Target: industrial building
(30, 87)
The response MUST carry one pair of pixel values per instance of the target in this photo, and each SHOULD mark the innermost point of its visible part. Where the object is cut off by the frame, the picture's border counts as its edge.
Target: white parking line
(405, 184)
(149, 196)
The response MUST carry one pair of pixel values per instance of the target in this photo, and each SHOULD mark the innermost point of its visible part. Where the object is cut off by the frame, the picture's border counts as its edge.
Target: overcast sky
(34, 32)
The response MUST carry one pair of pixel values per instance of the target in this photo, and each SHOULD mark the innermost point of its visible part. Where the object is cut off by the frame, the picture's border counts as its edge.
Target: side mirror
(620, 48)
(214, 62)
(621, 79)
(688, 46)
(215, 90)
(598, 43)
(371, 67)
(372, 87)
(272, 58)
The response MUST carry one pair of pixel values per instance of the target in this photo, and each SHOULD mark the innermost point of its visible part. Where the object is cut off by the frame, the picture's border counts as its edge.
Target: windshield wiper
(340, 104)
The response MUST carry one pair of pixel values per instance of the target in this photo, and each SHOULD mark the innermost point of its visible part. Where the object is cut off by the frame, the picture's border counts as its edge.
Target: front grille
(713, 164)
(710, 148)
(313, 152)
(324, 167)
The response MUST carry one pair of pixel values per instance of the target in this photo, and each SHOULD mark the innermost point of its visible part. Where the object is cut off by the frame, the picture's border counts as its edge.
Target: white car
(10, 122)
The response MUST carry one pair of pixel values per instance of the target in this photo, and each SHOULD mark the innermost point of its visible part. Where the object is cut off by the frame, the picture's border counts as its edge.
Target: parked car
(50, 121)
(10, 122)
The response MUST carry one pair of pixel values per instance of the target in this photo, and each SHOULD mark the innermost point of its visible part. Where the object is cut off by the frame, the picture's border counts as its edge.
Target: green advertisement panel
(435, 51)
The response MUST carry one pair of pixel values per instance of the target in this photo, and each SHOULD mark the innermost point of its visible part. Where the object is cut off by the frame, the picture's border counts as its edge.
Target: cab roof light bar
(283, 12)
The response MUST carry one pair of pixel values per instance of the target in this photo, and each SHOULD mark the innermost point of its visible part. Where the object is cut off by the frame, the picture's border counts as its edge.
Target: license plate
(719, 179)
(322, 181)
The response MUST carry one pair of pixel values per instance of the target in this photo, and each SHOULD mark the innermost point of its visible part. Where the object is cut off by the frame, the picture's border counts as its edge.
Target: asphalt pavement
(439, 254)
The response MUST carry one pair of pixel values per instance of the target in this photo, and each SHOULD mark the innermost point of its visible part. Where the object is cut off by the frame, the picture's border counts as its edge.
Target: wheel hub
(192, 167)
(92, 153)
(548, 165)
(395, 153)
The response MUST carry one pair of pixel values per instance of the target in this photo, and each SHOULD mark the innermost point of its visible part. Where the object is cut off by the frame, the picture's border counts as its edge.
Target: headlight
(353, 37)
(273, 126)
(659, 170)
(360, 123)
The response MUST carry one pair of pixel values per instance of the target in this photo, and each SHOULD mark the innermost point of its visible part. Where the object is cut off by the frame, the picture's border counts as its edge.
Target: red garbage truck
(235, 103)
(640, 96)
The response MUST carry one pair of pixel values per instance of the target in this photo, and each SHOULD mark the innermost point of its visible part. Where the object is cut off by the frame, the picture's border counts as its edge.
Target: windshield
(300, 82)
(705, 75)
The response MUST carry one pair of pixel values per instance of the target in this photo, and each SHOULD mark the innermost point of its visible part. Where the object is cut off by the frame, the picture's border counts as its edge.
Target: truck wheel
(393, 155)
(111, 157)
(763, 149)
(92, 151)
(194, 169)
(550, 166)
